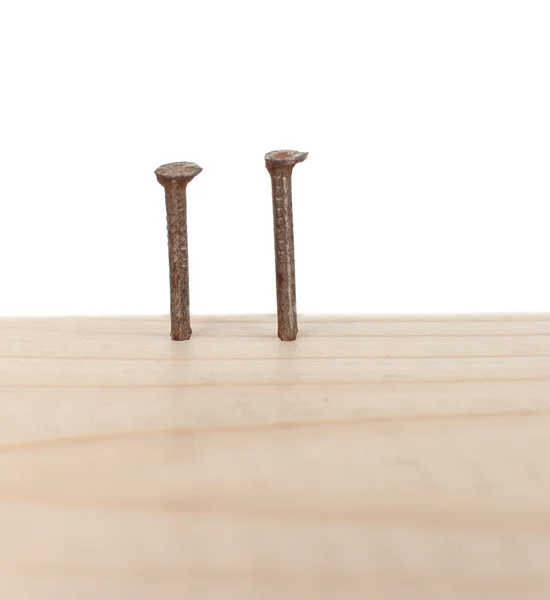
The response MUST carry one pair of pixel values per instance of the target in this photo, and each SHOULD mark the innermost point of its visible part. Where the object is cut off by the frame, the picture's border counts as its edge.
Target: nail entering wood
(174, 177)
(280, 163)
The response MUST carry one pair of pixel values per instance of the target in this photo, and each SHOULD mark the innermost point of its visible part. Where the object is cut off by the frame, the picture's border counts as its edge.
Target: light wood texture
(385, 458)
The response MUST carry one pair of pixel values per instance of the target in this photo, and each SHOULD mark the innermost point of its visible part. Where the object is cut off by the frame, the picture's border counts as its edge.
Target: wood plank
(397, 458)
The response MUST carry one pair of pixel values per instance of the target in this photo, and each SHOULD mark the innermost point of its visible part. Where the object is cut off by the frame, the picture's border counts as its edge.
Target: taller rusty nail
(174, 177)
(280, 163)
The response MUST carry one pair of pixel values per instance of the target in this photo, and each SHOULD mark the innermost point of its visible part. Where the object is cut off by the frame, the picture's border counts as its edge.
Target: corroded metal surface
(174, 177)
(280, 163)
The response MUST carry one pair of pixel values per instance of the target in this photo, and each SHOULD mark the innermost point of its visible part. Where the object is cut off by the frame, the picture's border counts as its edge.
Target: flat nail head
(284, 158)
(176, 172)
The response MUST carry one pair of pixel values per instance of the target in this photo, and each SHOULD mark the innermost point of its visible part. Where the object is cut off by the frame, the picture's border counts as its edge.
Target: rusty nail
(280, 163)
(174, 177)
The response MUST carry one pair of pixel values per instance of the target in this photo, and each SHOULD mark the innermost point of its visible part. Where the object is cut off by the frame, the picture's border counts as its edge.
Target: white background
(427, 188)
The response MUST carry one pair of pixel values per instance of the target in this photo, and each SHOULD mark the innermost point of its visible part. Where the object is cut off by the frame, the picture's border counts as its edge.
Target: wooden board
(385, 458)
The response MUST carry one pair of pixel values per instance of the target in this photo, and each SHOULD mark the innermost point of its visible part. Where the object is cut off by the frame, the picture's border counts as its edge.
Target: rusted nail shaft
(174, 177)
(280, 163)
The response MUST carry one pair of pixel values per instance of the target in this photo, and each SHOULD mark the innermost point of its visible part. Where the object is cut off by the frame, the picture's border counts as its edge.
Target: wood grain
(392, 457)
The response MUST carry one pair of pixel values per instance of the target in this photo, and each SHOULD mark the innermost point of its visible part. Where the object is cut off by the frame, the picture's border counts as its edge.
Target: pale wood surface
(384, 458)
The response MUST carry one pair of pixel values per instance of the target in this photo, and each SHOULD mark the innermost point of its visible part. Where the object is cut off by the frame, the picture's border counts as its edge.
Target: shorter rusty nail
(174, 177)
(280, 163)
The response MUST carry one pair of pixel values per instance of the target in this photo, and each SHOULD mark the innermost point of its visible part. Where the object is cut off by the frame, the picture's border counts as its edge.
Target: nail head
(177, 171)
(284, 158)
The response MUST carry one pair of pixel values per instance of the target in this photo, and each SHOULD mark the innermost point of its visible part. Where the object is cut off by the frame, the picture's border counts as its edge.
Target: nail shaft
(174, 177)
(280, 164)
